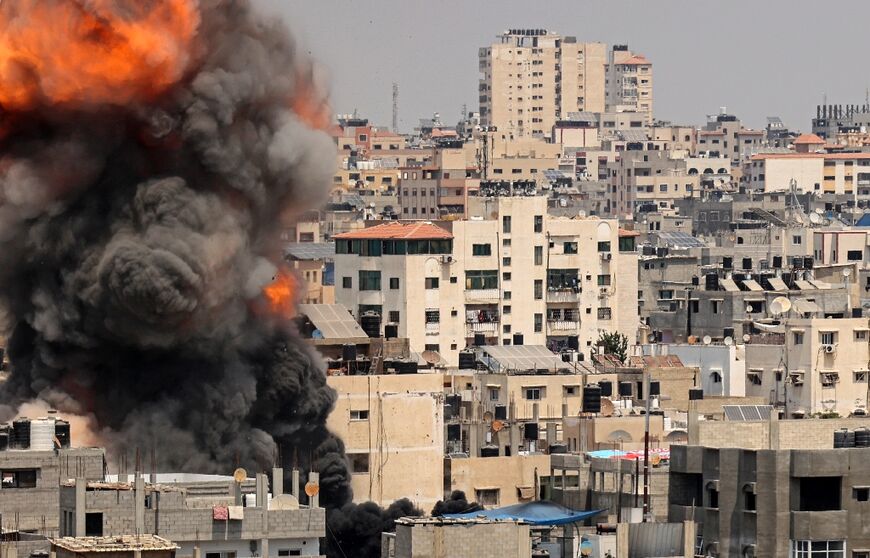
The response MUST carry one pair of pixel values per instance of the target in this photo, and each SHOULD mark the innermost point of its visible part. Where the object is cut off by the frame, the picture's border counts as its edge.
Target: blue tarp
(534, 513)
(864, 221)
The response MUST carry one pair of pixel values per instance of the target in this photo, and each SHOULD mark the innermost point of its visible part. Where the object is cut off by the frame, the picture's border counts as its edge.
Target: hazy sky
(757, 57)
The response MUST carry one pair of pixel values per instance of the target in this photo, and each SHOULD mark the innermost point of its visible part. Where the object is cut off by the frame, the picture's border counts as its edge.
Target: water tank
(625, 389)
(348, 352)
(479, 339)
(862, 438)
(391, 331)
(501, 412)
(591, 399)
(454, 432)
(711, 282)
(489, 451)
(727, 262)
(567, 357)
(518, 338)
(808, 263)
(558, 448)
(840, 438)
(62, 433)
(655, 387)
(20, 434)
(777, 262)
(371, 324)
(42, 434)
(530, 431)
(467, 360)
(606, 388)
(747, 263)
(696, 394)
(696, 280)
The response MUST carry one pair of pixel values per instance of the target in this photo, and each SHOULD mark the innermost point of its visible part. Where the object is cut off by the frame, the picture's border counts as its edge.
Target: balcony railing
(481, 327)
(563, 325)
(433, 328)
(563, 295)
(483, 295)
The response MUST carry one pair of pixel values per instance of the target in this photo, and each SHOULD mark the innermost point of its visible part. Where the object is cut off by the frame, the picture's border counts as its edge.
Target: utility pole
(395, 108)
(647, 515)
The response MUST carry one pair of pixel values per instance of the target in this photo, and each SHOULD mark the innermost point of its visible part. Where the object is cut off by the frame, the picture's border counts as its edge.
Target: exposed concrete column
(315, 500)
(294, 480)
(139, 504)
(277, 481)
(262, 491)
(81, 491)
(197, 552)
(236, 492)
(564, 479)
(551, 433)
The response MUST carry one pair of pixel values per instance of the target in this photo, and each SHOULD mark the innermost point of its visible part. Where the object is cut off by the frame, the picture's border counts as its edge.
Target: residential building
(313, 265)
(725, 136)
(440, 538)
(649, 178)
(629, 83)
(832, 120)
(127, 546)
(829, 173)
(531, 78)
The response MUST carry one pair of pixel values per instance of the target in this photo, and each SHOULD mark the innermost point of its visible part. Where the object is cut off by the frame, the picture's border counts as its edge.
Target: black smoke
(137, 239)
(455, 503)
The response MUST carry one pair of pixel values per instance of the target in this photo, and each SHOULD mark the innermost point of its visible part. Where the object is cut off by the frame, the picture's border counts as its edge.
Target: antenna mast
(395, 107)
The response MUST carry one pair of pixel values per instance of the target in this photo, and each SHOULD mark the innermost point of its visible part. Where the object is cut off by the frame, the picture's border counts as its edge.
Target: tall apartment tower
(531, 78)
(629, 82)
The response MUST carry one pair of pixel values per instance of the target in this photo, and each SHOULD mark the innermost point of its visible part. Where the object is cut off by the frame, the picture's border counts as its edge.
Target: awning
(829, 330)
(525, 492)
(804, 285)
(752, 285)
(533, 513)
(820, 284)
(804, 306)
(769, 328)
(729, 285)
(496, 386)
(777, 284)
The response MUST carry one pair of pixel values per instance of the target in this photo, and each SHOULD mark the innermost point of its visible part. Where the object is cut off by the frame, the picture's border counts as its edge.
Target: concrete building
(629, 83)
(312, 263)
(649, 178)
(439, 538)
(533, 77)
(509, 269)
(772, 488)
(206, 515)
(830, 173)
(127, 546)
(832, 120)
(725, 136)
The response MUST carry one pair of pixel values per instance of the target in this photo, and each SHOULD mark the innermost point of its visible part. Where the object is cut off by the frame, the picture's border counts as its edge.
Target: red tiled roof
(808, 139)
(403, 231)
(636, 60)
(624, 233)
(658, 361)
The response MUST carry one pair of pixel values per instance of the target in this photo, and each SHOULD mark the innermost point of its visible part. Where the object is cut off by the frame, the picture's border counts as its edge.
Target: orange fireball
(280, 294)
(95, 51)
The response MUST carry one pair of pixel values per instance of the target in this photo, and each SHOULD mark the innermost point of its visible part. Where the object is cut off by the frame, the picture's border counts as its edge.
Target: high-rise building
(629, 83)
(533, 78)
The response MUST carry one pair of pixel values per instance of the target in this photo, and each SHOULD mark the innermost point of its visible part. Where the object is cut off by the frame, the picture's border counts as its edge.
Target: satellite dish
(819, 211)
(728, 341)
(431, 357)
(746, 337)
(312, 489)
(707, 339)
(487, 417)
(606, 408)
(847, 272)
(815, 218)
(497, 425)
(692, 340)
(240, 475)
(780, 305)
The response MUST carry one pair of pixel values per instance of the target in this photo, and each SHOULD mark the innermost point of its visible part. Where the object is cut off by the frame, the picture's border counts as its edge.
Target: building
(312, 262)
(629, 83)
(531, 78)
(651, 179)
(205, 515)
(823, 173)
(509, 269)
(832, 120)
(32, 469)
(772, 488)
(438, 538)
(126, 546)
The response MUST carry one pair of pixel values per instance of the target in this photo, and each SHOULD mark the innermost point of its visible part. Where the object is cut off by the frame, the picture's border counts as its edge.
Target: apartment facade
(647, 178)
(533, 77)
(828, 173)
(509, 269)
(629, 83)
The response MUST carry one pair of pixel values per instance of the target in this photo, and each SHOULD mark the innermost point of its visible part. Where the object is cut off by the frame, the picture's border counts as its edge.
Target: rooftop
(123, 543)
(636, 60)
(399, 231)
(333, 321)
(808, 139)
(310, 251)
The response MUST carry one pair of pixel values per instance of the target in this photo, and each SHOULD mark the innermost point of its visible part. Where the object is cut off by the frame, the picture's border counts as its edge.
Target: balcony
(433, 328)
(819, 525)
(557, 327)
(484, 296)
(563, 295)
(490, 328)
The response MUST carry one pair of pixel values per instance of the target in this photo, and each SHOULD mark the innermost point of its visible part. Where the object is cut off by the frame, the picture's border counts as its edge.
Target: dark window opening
(819, 493)
(861, 494)
(359, 462)
(93, 524)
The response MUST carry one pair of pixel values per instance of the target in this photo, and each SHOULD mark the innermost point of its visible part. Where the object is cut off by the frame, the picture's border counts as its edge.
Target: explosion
(280, 294)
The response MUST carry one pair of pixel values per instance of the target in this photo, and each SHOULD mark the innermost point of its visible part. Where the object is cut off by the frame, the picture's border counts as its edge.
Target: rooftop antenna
(395, 107)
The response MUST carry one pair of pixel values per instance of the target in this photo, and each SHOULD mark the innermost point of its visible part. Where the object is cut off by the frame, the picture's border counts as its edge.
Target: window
(604, 313)
(860, 335)
(394, 283)
(493, 394)
(798, 337)
(539, 223)
(604, 246)
(481, 279)
(25, 478)
(570, 390)
(359, 462)
(539, 323)
(819, 493)
(715, 305)
(506, 242)
(712, 495)
(539, 255)
(359, 415)
(434, 347)
(861, 493)
(828, 337)
(506, 309)
(487, 496)
(854, 255)
(346, 283)
(539, 289)
(453, 280)
(604, 280)
(533, 393)
(506, 224)
(506, 262)
(289, 552)
(716, 377)
(369, 280)
(796, 239)
(432, 282)
(569, 247)
(93, 524)
(394, 316)
(817, 549)
(506, 276)
(749, 498)
(860, 376)
(433, 316)
(481, 250)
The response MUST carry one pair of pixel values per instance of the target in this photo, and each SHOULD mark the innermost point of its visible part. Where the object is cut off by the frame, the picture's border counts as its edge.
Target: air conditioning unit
(829, 349)
(606, 256)
(604, 291)
(446, 258)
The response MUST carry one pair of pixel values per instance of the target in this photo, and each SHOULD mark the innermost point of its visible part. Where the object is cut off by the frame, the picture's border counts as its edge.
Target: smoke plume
(149, 156)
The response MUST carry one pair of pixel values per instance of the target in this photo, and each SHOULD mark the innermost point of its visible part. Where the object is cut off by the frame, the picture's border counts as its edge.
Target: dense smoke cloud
(140, 225)
(456, 503)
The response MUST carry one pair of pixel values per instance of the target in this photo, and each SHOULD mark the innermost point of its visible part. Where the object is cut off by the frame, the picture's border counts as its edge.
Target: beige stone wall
(502, 473)
(483, 540)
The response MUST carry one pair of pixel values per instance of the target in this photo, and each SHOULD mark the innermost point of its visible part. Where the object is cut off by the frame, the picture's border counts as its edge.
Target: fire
(310, 103)
(281, 294)
(92, 51)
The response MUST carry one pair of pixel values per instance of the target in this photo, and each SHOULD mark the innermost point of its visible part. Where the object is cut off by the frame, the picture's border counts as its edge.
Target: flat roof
(113, 544)
(525, 357)
(332, 320)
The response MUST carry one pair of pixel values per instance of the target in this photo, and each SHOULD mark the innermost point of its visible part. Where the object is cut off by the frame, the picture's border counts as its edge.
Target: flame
(92, 51)
(310, 102)
(281, 294)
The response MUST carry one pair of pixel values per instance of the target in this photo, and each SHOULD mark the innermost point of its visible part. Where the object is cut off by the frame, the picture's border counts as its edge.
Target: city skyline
(435, 76)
